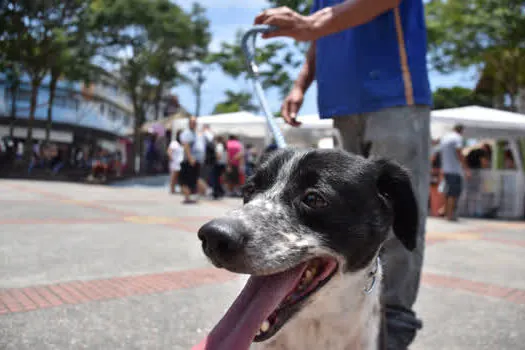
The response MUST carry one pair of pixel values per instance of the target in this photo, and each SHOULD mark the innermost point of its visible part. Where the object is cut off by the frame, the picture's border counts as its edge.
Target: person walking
(176, 156)
(453, 167)
(235, 165)
(369, 61)
(221, 159)
(194, 149)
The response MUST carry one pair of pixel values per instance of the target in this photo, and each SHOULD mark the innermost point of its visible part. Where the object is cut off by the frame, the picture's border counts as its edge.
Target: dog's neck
(343, 315)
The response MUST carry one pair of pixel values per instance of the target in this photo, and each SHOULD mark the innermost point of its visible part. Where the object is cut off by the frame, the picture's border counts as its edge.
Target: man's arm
(186, 146)
(307, 73)
(462, 160)
(187, 152)
(329, 20)
(293, 102)
(351, 13)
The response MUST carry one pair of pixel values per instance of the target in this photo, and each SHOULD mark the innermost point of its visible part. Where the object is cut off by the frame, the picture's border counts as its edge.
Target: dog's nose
(222, 240)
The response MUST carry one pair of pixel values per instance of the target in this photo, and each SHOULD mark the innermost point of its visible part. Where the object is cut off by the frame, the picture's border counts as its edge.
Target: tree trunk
(52, 90)
(137, 142)
(198, 100)
(35, 85)
(14, 93)
(158, 99)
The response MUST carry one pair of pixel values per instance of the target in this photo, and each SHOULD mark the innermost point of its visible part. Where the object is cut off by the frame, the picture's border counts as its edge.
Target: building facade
(100, 112)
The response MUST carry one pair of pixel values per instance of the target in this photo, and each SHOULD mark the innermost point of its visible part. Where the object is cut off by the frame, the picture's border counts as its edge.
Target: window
(24, 96)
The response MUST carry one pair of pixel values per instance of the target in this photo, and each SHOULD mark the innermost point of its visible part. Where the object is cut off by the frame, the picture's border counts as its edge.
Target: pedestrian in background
(176, 156)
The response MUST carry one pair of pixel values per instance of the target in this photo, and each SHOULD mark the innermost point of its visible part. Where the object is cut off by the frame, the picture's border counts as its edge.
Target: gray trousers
(402, 134)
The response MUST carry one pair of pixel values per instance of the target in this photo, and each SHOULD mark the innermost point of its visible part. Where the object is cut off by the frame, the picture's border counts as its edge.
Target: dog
(310, 234)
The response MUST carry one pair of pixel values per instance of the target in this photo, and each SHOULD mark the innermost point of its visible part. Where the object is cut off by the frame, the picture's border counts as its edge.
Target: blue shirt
(373, 66)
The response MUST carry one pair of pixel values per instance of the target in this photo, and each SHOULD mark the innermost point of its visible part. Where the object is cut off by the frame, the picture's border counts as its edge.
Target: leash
(248, 49)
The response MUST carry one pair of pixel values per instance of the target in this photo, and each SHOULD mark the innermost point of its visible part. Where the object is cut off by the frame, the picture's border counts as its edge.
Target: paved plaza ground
(94, 267)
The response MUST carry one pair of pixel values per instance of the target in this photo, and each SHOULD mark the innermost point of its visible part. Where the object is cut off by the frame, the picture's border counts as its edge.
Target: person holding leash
(369, 61)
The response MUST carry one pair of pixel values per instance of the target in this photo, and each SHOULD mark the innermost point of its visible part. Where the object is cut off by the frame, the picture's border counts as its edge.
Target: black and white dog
(309, 234)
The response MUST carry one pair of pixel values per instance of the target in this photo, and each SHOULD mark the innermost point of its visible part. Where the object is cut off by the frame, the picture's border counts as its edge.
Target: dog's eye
(314, 200)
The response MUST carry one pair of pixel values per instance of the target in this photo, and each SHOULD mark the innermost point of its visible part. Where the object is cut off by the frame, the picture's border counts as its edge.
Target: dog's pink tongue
(259, 298)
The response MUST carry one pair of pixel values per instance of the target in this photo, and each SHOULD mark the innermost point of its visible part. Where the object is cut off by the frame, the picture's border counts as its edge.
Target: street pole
(199, 81)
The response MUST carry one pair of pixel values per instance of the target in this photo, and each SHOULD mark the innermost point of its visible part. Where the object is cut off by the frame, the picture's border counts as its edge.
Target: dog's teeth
(308, 275)
(265, 326)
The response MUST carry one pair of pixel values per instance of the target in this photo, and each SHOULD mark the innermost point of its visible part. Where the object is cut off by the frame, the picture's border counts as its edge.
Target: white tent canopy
(249, 124)
(479, 122)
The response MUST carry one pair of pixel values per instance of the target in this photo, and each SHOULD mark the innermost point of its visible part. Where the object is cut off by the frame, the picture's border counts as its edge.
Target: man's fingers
(279, 32)
(285, 111)
(289, 112)
(294, 108)
(263, 16)
(280, 21)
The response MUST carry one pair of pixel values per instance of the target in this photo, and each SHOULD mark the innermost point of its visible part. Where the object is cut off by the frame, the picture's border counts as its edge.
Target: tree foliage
(273, 63)
(459, 97)
(153, 36)
(139, 42)
(236, 102)
(34, 34)
(487, 34)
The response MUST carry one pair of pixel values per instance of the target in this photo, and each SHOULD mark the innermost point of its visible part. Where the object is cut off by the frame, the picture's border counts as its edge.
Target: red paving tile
(78, 292)
(514, 242)
(479, 288)
(60, 221)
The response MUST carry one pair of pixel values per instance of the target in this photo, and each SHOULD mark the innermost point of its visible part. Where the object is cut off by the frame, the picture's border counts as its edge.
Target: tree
(154, 36)
(236, 102)
(459, 97)
(28, 40)
(72, 53)
(13, 81)
(301, 6)
(486, 34)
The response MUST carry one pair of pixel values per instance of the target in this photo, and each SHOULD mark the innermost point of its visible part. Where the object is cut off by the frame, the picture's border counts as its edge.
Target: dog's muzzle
(223, 241)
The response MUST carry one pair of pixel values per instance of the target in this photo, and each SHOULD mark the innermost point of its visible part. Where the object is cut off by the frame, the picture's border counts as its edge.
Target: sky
(228, 16)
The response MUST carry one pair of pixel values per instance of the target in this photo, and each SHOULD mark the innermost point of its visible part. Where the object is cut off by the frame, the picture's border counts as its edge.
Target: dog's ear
(394, 185)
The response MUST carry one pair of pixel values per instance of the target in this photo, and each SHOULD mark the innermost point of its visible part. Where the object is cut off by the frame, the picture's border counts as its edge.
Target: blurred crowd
(93, 163)
(204, 164)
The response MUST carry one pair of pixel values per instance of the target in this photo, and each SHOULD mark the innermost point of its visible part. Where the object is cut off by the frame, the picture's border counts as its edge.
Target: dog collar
(372, 278)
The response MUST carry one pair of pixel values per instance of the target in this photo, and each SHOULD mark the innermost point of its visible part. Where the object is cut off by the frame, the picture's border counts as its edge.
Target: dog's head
(308, 215)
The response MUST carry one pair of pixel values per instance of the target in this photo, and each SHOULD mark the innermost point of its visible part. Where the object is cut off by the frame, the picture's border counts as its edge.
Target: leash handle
(249, 52)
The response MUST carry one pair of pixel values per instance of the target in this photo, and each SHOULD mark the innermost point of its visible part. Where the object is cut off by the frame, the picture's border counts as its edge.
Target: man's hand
(191, 160)
(291, 106)
(289, 22)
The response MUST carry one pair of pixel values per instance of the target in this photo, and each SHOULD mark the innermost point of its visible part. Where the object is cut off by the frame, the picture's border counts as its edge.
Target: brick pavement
(131, 207)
